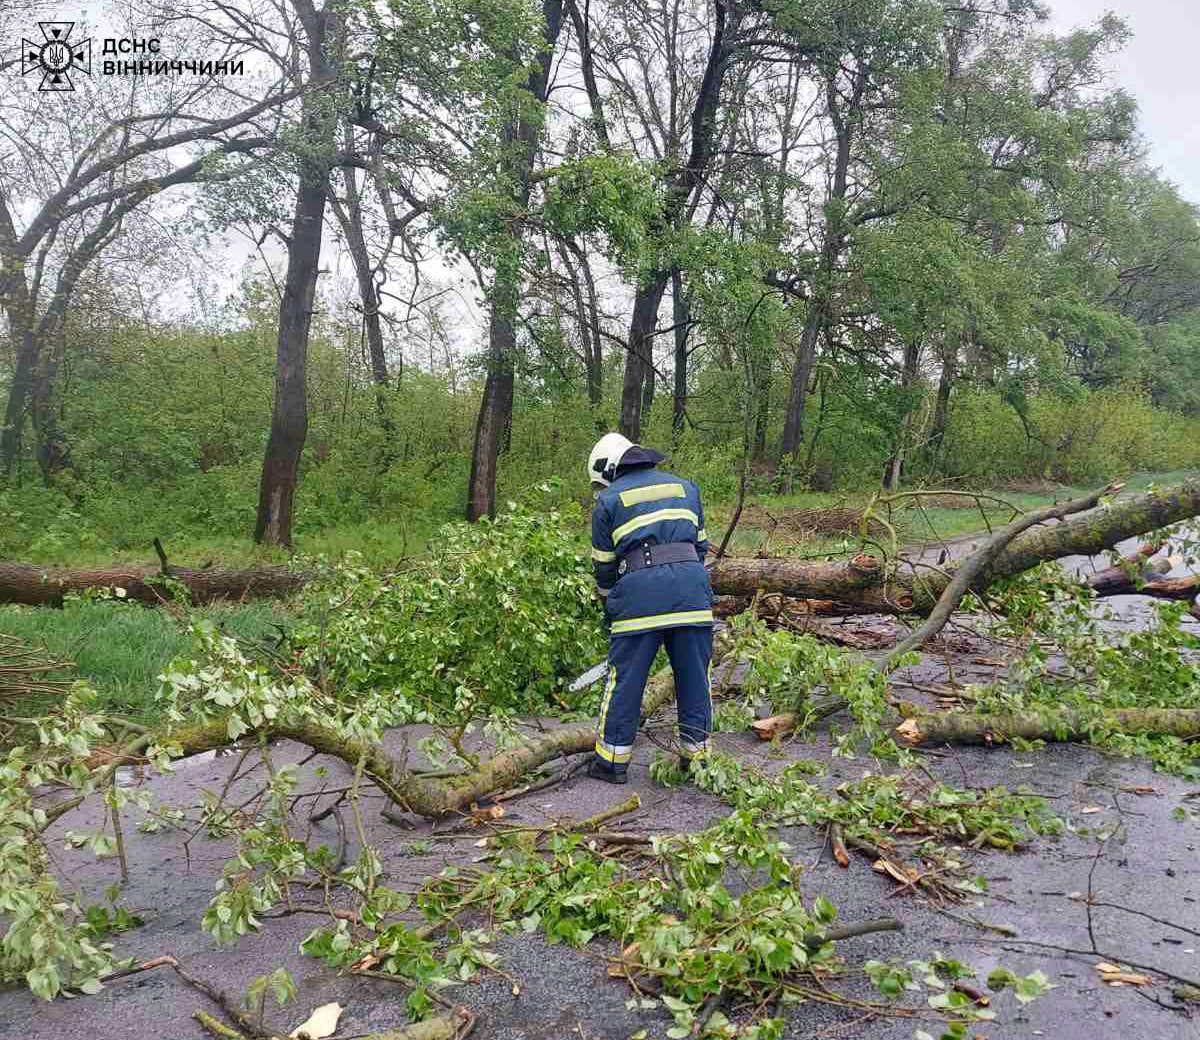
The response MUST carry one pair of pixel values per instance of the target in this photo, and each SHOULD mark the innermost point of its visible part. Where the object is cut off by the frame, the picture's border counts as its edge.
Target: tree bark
(289, 414)
(681, 313)
(680, 188)
(806, 352)
(495, 411)
(861, 585)
(941, 407)
(908, 379)
(422, 795)
(967, 728)
(588, 322)
(639, 358)
(833, 242)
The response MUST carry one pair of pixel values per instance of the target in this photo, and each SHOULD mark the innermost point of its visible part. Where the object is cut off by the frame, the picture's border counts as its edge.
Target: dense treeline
(847, 244)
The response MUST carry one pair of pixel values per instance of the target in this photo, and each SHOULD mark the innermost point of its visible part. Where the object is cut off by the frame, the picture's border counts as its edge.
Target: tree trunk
(19, 395)
(493, 427)
(423, 795)
(681, 314)
(639, 358)
(680, 187)
(762, 410)
(941, 407)
(834, 233)
(495, 410)
(908, 379)
(588, 322)
(860, 586)
(793, 423)
(649, 384)
(968, 728)
(289, 415)
(46, 586)
(18, 306)
(351, 219)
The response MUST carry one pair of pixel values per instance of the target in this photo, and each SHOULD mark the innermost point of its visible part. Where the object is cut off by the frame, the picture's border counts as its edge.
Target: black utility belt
(649, 555)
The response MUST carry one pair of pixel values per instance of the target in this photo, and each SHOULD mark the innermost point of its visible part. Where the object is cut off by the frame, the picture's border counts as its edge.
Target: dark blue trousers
(630, 658)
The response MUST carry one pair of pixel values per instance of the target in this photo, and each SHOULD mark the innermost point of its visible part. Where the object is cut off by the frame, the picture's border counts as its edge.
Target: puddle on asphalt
(131, 776)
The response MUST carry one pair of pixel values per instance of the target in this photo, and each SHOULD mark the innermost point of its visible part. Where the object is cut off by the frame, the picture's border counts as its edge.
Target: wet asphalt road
(1149, 870)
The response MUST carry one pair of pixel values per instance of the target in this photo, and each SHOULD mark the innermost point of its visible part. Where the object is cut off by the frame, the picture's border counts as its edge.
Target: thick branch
(968, 728)
(423, 795)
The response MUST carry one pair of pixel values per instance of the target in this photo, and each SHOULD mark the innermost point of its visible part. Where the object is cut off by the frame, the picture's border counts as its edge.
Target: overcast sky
(1161, 68)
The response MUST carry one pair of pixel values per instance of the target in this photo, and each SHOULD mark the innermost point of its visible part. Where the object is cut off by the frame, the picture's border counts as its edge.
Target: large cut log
(1143, 574)
(46, 586)
(909, 586)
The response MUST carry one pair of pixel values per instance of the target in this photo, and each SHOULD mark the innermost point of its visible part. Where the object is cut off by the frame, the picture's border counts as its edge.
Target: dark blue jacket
(647, 504)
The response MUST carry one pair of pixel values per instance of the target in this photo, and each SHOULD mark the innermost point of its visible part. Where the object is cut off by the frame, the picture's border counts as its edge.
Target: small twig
(561, 776)
(853, 931)
(737, 512)
(359, 825)
(218, 1029)
(631, 804)
(839, 845)
(1072, 951)
(118, 831)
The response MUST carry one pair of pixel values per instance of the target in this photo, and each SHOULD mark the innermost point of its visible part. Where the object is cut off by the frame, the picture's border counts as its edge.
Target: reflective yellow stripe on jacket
(651, 493)
(645, 624)
(647, 519)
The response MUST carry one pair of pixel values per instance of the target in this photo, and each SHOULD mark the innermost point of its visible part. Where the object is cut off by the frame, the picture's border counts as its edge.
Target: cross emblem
(56, 56)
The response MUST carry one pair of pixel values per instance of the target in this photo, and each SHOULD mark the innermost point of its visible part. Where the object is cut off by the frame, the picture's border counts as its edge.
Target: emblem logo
(56, 57)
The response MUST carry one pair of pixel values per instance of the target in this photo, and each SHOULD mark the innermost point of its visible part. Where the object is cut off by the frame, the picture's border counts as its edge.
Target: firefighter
(648, 549)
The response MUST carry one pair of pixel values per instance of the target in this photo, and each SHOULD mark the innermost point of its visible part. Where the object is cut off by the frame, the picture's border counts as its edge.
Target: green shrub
(501, 616)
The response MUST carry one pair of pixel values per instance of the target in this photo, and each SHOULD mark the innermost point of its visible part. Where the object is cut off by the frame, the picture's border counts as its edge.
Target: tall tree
(79, 173)
(521, 138)
(289, 415)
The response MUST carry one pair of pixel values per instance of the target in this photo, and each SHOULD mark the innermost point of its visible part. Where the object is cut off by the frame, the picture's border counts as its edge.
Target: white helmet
(606, 457)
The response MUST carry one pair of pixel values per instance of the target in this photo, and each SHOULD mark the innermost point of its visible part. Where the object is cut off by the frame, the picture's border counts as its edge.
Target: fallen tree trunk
(913, 586)
(958, 727)
(46, 586)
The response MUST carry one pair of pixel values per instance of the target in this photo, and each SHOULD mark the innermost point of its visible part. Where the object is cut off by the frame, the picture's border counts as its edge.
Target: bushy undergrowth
(180, 457)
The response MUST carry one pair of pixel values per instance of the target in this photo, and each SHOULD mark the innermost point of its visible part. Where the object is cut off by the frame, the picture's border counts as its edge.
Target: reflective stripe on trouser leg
(630, 659)
(690, 651)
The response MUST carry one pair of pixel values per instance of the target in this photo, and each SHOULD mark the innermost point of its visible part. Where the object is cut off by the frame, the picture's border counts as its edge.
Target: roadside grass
(382, 543)
(121, 648)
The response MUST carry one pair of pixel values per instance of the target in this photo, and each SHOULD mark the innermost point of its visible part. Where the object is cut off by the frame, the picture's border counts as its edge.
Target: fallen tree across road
(865, 584)
(871, 585)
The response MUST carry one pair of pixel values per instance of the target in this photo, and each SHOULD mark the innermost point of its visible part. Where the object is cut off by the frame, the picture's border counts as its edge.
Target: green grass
(122, 648)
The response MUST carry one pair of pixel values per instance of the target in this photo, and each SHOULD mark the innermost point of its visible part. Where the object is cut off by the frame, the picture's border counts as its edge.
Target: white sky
(1159, 68)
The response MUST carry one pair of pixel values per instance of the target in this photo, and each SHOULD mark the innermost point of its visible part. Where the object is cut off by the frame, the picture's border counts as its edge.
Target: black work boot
(597, 770)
